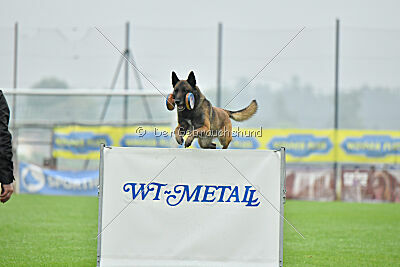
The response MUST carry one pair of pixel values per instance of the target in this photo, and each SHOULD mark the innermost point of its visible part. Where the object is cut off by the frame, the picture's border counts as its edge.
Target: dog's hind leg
(207, 143)
(225, 136)
(225, 144)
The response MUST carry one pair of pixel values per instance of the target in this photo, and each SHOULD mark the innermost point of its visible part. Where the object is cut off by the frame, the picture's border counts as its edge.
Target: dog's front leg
(204, 130)
(179, 134)
(189, 139)
(199, 132)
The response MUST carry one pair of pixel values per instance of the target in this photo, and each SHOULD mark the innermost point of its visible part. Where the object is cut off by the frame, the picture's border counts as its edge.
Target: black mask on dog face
(184, 93)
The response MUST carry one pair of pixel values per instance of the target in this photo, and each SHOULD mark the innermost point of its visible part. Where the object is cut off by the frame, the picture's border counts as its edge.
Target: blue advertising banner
(36, 180)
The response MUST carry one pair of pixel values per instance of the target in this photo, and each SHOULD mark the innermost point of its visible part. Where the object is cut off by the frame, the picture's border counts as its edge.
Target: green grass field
(49, 230)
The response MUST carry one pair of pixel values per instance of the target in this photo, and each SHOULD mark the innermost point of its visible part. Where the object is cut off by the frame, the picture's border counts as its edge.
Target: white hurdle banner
(190, 207)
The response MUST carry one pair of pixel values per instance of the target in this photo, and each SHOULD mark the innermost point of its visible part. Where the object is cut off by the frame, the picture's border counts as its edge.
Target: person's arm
(6, 164)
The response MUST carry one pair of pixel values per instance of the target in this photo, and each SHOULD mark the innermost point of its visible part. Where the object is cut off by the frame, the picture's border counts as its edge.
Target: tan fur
(205, 122)
(245, 113)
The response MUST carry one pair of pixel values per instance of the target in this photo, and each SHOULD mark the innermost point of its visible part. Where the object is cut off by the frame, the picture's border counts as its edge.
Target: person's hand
(8, 189)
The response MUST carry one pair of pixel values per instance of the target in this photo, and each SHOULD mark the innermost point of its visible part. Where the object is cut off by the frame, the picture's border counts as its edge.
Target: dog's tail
(243, 114)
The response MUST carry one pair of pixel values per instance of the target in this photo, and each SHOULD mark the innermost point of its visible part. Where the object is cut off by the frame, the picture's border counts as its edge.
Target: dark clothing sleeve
(6, 164)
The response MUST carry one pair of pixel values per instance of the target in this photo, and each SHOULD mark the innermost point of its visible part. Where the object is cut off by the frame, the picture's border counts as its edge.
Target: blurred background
(331, 96)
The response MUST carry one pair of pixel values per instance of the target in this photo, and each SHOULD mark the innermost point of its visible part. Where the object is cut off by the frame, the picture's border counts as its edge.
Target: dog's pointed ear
(191, 79)
(175, 79)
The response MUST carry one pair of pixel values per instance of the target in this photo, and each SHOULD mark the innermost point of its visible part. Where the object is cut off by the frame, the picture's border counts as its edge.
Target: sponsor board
(83, 142)
(302, 145)
(310, 184)
(36, 180)
(370, 184)
(369, 146)
(186, 207)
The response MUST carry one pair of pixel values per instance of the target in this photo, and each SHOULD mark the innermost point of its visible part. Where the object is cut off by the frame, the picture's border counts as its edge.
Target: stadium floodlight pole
(15, 74)
(14, 103)
(15, 54)
(219, 64)
(126, 85)
(336, 116)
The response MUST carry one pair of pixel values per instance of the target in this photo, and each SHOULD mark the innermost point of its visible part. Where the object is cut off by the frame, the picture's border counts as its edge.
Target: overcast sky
(57, 38)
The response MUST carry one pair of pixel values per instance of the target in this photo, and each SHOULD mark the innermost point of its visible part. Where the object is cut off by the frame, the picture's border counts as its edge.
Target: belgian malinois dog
(198, 118)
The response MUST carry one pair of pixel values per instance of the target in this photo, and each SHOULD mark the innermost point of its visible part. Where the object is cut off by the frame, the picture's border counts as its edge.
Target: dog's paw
(188, 144)
(189, 141)
(179, 139)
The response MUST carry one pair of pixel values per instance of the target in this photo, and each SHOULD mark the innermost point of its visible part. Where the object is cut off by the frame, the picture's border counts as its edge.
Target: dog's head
(182, 88)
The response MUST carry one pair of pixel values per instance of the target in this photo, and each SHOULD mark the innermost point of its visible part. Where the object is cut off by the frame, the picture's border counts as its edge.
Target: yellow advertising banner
(302, 145)
(369, 146)
(83, 142)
